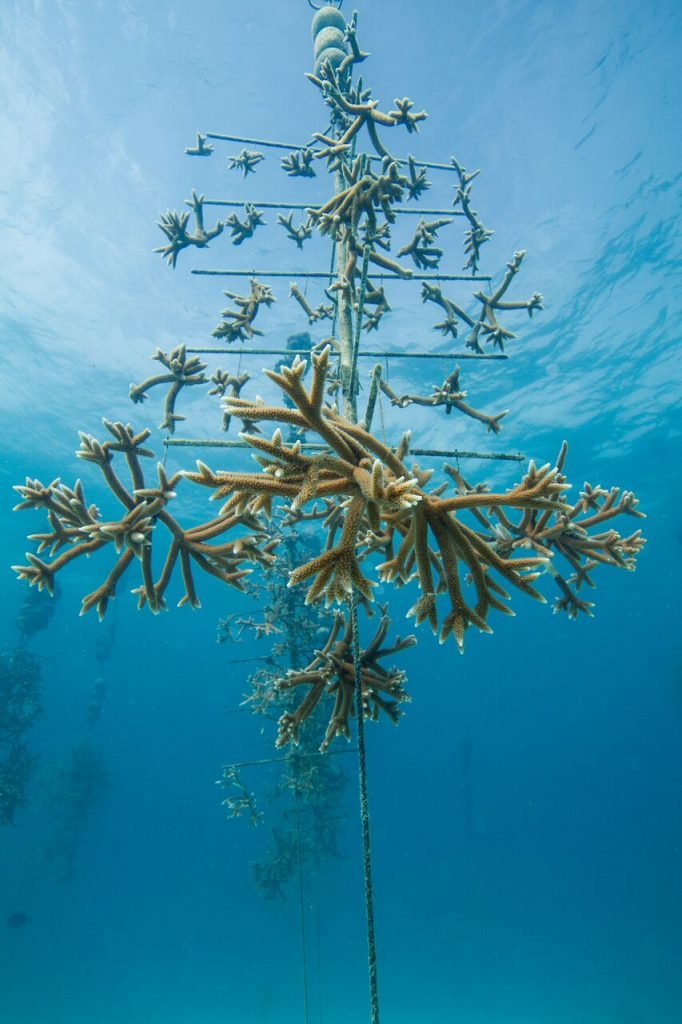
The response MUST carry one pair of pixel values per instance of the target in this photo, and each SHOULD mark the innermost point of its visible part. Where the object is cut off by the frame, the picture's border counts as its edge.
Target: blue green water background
(527, 812)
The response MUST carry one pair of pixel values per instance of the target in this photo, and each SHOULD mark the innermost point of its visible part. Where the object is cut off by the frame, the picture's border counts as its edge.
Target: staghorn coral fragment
(227, 383)
(449, 396)
(299, 163)
(331, 672)
(486, 326)
(183, 372)
(79, 529)
(241, 802)
(477, 234)
(246, 161)
(418, 182)
(237, 325)
(321, 312)
(240, 230)
(420, 248)
(174, 227)
(202, 147)
(299, 234)
(353, 107)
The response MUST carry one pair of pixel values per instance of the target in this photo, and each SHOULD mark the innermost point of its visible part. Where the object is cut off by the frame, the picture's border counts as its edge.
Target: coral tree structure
(383, 518)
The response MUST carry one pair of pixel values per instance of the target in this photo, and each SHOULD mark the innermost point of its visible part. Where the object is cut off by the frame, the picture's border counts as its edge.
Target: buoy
(328, 17)
(329, 37)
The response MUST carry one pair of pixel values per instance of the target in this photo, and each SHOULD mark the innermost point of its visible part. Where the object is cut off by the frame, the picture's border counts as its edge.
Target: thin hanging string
(364, 815)
(301, 906)
(318, 935)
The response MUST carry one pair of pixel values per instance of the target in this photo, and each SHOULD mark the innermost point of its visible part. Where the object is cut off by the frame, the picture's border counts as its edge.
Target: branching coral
(183, 372)
(448, 395)
(366, 194)
(174, 227)
(16, 770)
(246, 161)
(240, 802)
(323, 311)
(202, 147)
(424, 253)
(486, 326)
(417, 182)
(240, 230)
(238, 324)
(299, 164)
(332, 671)
(566, 534)
(477, 234)
(296, 234)
(355, 109)
(381, 519)
(79, 529)
(229, 384)
(21, 693)
(384, 503)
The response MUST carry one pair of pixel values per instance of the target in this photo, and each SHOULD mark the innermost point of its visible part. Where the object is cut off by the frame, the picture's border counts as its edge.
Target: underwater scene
(340, 655)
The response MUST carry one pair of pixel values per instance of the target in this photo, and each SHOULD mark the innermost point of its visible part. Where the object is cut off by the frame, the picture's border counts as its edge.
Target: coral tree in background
(382, 518)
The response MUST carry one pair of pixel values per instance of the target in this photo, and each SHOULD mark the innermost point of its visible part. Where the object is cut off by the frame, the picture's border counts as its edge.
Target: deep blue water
(526, 813)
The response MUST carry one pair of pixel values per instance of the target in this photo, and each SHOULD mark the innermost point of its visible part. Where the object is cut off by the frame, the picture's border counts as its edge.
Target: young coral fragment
(183, 372)
(486, 326)
(448, 395)
(299, 164)
(174, 227)
(240, 230)
(246, 161)
(237, 325)
(296, 234)
(202, 147)
(421, 249)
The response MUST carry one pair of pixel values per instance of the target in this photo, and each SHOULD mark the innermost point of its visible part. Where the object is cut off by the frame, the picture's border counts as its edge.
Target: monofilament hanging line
(364, 814)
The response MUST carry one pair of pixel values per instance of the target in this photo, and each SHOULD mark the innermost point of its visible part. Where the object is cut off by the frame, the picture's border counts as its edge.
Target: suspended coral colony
(380, 516)
(335, 507)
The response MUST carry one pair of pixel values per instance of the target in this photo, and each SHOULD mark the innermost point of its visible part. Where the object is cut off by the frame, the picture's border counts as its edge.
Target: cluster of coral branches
(376, 503)
(78, 528)
(332, 671)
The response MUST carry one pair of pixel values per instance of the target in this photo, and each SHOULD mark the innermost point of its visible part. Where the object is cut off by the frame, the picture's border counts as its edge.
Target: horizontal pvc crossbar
(361, 355)
(383, 275)
(311, 145)
(307, 206)
(430, 453)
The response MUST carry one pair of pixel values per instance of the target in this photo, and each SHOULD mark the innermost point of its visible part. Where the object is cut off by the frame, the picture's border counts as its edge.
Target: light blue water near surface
(526, 813)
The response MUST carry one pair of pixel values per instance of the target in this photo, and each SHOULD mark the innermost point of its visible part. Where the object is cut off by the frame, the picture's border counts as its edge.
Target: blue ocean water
(526, 812)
